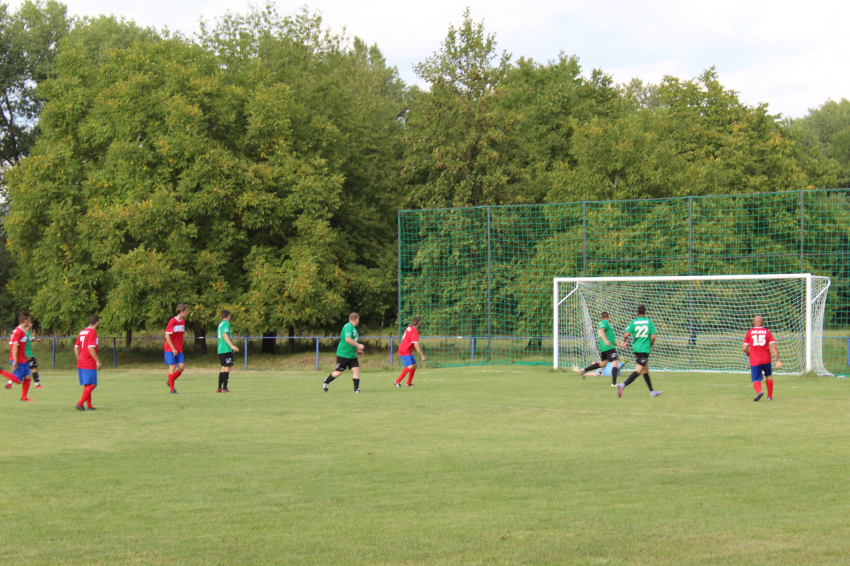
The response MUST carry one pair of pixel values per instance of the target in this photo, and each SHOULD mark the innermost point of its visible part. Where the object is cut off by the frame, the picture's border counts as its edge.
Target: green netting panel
(481, 278)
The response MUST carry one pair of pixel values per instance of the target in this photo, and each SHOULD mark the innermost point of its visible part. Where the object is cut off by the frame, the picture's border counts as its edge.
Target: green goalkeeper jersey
(29, 345)
(641, 329)
(609, 334)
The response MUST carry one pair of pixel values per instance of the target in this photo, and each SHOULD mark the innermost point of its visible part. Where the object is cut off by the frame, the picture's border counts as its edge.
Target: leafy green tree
(460, 141)
(694, 138)
(28, 47)
(826, 129)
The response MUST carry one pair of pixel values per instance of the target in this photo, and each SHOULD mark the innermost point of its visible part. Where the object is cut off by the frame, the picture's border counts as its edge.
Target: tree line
(260, 165)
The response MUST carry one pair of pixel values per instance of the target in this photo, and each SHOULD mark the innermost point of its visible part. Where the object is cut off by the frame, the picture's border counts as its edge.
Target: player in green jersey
(607, 350)
(346, 353)
(31, 361)
(225, 351)
(644, 333)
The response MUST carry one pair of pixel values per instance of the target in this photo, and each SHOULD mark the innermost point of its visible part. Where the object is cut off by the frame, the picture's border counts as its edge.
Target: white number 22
(641, 331)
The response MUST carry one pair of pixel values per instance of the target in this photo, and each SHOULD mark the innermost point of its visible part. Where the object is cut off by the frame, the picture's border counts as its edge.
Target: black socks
(329, 378)
(221, 375)
(631, 378)
(35, 377)
(356, 384)
(591, 367)
(648, 383)
(615, 371)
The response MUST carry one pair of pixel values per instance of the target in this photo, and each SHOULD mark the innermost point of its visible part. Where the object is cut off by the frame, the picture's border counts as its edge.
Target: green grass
(501, 465)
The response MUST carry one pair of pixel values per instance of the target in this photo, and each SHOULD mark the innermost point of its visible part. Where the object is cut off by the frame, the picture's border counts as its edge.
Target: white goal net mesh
(700, 323)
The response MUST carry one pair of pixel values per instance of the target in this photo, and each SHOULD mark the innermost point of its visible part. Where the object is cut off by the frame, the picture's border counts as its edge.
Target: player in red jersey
(405, 351)
(85, 349)
(174, 345)
(759, 344)
(18, 357)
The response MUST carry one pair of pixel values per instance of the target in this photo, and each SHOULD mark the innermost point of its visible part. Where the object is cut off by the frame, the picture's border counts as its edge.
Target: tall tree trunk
(269, 342)
(200, 338)
(291, 332)
(129, 338)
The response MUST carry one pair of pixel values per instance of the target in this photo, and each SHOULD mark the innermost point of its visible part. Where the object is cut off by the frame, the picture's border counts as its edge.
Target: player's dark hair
(94, 319)
(225, 313)
(181, 307)
(354, 316)
(23, 316)
(415, 320)
(641, 309)
(604, 315)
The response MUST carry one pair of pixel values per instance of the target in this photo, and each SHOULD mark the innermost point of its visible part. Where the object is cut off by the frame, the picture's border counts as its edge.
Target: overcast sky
(793, 55)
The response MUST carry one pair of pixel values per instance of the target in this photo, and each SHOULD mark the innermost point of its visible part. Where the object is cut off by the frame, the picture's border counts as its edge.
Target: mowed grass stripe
(476, 466)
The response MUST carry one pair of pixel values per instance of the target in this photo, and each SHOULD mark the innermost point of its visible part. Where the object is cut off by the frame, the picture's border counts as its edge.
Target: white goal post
(701, 320)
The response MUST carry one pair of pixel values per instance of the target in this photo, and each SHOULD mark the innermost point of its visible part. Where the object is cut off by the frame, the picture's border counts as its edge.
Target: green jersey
(224, 328)
(346, 350)
(29, 344)
(641, 329)
(609, 334)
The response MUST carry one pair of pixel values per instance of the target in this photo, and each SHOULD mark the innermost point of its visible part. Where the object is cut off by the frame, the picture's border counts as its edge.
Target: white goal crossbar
(713, 308)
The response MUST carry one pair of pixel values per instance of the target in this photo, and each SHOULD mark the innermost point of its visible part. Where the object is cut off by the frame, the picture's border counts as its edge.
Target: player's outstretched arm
(625, 339)
(652, 340)
(76, 351)
(93, 354)
(360, 347)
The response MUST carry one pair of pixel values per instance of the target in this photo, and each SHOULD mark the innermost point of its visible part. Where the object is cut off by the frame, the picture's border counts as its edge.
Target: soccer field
(484, 465)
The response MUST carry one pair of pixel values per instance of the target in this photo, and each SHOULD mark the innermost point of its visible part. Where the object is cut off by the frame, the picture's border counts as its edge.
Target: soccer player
(758, 345)
(31, 361)
(18, 358)
(174, 345)
(225, 351)
(346, 353)
(607, 350)
(85, 349)
(409, 342)
(644, 338)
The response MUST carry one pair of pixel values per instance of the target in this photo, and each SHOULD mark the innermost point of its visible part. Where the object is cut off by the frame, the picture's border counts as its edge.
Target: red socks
(26, 388)
(86, 398)
(769, 388)
(757, 386)
(8, 375)
(171, 381)
(403, 373)
(410, 376)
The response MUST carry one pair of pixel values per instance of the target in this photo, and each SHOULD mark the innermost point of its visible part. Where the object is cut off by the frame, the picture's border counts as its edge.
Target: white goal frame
(575, 281)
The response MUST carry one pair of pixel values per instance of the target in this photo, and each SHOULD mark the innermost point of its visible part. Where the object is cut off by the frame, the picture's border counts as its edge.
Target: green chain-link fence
(481, 278)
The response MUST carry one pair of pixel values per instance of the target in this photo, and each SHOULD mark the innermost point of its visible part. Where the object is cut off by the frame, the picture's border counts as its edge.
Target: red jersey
(87, 339)
(19, 337)
(759, 340)
(175, 327)
(411, 337)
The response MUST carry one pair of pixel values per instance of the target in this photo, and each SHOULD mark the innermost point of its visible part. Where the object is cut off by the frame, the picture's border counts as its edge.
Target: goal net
(700, 320)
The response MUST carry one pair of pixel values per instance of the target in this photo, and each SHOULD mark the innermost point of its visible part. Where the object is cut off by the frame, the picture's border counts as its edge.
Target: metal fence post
(802, 232)
(473, 348)
(584, 239)
(114, 354)
(317, 354)
(391, 351)
(848, 351)
(54, 351)
(246, 352)
(489, 333)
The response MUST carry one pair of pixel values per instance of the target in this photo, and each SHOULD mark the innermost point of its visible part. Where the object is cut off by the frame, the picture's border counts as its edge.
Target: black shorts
(344, 363)
(32, 363)
(609, 355)
(226, 360)
(641, 359)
